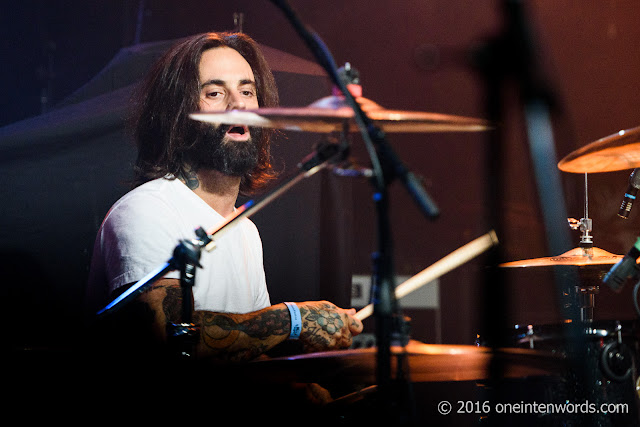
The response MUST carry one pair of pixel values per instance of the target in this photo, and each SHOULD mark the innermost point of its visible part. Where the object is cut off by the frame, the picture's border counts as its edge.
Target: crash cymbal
(333, 114)
(426, 362)
(612, 153)
(577, 257)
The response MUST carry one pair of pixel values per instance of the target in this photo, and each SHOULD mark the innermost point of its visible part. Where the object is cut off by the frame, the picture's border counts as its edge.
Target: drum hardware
(610, 357)
(616, 358)
(618, 151)
(585, 294)
(584, 256)
(530, 335)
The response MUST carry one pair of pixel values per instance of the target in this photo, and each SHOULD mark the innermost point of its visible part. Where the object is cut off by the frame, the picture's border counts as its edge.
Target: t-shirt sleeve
(262, 298)
(138, 238)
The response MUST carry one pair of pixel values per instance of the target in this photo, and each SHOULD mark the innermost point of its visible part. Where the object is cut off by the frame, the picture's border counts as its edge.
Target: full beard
(213, 149)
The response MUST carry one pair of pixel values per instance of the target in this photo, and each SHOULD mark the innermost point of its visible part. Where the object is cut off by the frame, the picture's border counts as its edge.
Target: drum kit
(536, 350)
(611, 354)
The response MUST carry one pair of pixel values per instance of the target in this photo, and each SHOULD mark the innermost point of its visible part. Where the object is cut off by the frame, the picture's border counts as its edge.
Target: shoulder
(249, 225)
(249, 228)
(152, 197)
(143, 207)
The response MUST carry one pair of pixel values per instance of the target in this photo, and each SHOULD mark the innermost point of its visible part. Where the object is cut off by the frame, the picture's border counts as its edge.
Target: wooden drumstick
(439, 268)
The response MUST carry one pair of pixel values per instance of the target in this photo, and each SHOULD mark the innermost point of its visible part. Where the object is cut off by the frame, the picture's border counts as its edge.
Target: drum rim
(523, 333)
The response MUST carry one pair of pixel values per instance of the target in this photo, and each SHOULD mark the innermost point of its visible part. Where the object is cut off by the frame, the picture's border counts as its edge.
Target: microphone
(630, 195)
(623, 269)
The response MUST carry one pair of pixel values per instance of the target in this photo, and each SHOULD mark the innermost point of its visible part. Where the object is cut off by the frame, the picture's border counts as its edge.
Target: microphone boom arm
(384, 161)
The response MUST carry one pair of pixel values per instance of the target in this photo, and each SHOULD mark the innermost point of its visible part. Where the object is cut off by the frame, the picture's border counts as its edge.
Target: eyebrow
(219, 82)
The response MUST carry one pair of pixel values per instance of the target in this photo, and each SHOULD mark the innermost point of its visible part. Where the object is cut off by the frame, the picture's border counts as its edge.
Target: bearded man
(188, 175)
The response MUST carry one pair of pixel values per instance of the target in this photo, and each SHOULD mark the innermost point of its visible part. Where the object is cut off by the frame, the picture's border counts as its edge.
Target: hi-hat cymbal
(612, 153)
(577, 257)
(331, 114)
(426, 362)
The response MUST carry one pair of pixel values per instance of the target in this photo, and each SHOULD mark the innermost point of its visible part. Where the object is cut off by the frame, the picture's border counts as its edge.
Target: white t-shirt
(141, 231)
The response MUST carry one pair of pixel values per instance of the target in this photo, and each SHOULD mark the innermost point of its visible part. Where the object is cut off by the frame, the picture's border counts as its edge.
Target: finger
(346, 343)
(355, 325)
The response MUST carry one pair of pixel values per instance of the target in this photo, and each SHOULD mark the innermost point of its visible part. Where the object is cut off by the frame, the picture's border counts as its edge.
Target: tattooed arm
(237, 337)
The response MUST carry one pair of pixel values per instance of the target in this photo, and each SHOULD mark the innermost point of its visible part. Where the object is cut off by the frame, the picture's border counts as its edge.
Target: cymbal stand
(184, 335)
(386, 167)
(585, 224)
(585, 292)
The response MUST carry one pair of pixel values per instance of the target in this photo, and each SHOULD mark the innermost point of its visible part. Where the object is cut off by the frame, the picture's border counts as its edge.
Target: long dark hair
(163, 131)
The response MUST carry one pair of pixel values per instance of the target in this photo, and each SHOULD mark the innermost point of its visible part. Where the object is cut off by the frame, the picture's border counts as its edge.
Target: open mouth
(237, 130)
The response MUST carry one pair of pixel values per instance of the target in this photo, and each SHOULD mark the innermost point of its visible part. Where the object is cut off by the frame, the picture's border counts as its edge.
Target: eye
(214, 94)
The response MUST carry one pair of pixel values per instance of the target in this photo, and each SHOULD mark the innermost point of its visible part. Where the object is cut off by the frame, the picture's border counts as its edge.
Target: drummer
(189, 174)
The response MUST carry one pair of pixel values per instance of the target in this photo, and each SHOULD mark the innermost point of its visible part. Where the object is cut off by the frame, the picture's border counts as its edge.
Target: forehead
(224, 63)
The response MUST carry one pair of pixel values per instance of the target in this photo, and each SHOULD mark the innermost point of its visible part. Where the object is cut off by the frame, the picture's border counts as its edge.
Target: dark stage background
(74, 61)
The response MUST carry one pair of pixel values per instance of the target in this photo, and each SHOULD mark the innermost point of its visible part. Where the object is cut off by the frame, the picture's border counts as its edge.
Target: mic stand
(636, 289)
(183, 337)
(511, 56)
(186, 256)
(386, 167)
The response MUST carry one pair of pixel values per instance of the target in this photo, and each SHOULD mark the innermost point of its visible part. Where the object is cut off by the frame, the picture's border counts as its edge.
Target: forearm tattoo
(219, 332)
(226, 334)
(172, 303)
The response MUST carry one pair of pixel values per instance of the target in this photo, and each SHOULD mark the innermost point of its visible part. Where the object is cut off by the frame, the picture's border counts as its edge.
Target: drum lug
(619, 331)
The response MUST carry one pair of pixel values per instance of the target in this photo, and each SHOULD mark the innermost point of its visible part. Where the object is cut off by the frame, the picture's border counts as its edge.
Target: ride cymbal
(612, 153)
(331, 114)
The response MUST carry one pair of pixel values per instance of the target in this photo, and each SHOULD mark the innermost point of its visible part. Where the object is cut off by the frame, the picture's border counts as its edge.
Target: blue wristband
(296, 320)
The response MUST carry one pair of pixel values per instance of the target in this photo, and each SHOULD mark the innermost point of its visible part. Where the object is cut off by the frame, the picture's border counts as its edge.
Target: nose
(236, 102)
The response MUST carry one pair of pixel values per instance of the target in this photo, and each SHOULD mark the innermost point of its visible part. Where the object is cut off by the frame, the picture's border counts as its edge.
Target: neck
(218, 190)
